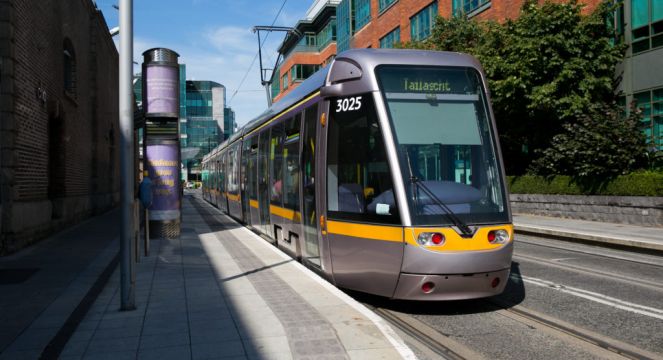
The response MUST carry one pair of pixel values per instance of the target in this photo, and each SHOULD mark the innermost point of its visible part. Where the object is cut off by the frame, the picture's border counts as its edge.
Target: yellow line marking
(232, 197)
(285, 213)
(372, 232)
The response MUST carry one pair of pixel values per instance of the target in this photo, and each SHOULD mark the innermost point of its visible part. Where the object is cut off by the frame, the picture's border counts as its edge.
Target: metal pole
(147, 232)
(127, 287)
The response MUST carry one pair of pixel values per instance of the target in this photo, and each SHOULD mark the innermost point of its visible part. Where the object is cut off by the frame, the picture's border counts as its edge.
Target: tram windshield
(446, 144)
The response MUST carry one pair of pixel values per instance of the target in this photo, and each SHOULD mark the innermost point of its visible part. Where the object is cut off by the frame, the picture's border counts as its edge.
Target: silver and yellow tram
(382, 172)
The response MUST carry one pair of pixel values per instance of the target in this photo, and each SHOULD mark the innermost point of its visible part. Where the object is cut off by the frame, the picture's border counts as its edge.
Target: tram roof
(367, 59)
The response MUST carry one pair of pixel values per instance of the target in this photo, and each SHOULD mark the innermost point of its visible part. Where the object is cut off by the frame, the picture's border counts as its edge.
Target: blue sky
(214, 40)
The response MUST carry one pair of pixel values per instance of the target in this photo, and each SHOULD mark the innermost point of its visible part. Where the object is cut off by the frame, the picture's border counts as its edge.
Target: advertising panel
(163, 166)
(161, 89)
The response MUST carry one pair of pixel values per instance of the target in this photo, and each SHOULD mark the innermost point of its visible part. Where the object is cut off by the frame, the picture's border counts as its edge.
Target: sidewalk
(628, 236)
(220, 291)
(41, 286)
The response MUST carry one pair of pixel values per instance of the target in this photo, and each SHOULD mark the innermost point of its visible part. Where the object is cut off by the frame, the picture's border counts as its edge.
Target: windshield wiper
(464, 229)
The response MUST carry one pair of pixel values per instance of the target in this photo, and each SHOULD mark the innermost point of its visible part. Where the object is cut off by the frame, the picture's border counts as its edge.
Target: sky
(214, 40)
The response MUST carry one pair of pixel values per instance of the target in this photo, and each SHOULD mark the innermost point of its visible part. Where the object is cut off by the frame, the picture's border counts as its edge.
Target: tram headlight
(498, 237)
(431, 239)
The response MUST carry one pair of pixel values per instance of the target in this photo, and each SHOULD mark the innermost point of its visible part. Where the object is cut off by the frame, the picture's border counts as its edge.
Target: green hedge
(636, 184)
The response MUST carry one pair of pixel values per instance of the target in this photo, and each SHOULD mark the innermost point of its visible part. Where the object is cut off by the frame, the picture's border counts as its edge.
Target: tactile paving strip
(310, 335)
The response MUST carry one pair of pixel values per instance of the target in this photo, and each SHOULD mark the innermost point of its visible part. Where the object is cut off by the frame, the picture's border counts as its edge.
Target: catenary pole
(126, 156)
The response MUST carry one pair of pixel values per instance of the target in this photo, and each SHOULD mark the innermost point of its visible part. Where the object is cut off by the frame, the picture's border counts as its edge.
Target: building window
(616, 21)
(310, 39)
(646, 24)
(302, 71)
(284, 80)
(327, 34)
(276, 86)
(362, 13)
(383, 4)
(344, 26)
(468, 6)
(328, 60)
(390, 39)
(651, 105)
(69, 68)
(421, 24)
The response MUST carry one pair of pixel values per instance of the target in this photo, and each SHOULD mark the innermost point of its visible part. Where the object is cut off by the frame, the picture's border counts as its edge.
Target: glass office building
(204, 127)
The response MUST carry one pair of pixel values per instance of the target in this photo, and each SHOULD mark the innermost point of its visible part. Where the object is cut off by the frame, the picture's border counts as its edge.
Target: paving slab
(220, 291)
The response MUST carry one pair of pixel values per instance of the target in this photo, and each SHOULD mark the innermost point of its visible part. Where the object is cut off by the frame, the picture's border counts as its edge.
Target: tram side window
(251, 169)
(233, 171)
(359, 185)
(291, 163)
(276, 164)
(222, 173)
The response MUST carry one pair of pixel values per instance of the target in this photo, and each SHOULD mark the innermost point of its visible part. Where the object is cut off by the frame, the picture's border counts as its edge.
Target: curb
(594, 238)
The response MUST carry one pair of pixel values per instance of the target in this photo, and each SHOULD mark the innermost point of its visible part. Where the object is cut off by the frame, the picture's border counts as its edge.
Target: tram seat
(351, 198)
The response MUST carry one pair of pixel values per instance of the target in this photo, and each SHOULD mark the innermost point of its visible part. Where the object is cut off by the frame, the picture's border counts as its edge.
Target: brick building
(59, 118)
(382, 23)
(302, 56)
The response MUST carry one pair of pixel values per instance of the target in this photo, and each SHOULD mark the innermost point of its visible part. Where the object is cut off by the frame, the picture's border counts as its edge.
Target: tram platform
(638, 238)
(218, 291)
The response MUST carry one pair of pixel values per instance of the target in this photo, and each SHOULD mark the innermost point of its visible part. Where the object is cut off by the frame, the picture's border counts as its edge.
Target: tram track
(430, 338)
(443, 346)
(565, 330)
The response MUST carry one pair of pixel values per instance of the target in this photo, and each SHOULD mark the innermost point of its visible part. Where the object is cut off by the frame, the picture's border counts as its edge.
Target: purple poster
(163, 167)
(161, 89)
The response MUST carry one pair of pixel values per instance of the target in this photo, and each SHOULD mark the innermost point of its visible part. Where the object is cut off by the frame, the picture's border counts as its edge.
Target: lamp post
(127, 280)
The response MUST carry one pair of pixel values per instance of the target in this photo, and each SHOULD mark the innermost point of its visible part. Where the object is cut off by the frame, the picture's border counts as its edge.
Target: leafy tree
(600, 145)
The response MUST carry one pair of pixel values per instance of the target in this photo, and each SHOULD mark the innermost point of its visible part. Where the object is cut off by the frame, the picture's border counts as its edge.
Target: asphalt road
(563, 301)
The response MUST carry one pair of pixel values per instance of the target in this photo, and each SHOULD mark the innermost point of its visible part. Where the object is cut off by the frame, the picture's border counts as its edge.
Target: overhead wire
(256, 56)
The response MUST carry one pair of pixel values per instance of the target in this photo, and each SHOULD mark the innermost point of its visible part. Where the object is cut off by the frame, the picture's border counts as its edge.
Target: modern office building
(302, 56)
(205, 101)
(383, 23)
(640, 24)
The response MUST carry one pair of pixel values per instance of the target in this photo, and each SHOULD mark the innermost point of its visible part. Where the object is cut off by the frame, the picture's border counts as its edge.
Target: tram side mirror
(328, 91)
(342, 71)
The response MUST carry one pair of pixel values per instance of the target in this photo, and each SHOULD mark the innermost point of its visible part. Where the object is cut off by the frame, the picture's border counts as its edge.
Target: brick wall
(382, 23)
(59, 161)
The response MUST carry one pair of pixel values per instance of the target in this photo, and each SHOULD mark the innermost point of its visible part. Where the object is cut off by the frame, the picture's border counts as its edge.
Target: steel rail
(612, 345)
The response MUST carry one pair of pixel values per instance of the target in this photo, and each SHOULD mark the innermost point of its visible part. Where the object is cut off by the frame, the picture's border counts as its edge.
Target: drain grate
(15, 276)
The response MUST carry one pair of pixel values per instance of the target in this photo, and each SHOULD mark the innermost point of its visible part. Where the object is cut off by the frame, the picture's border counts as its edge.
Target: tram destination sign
(428, 80)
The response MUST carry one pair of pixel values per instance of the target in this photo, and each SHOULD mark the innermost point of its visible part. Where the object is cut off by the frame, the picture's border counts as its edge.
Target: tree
(602, 144)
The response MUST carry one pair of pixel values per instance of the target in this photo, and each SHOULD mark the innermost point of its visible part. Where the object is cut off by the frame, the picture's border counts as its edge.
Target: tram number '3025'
(348, 104)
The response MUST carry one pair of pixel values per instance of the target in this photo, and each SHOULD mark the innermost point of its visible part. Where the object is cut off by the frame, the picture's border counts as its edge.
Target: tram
(382, 172)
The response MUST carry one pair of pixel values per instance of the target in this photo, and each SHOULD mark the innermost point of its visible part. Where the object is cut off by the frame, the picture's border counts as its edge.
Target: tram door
(263, 181)
(311, 250)
(246, 152)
